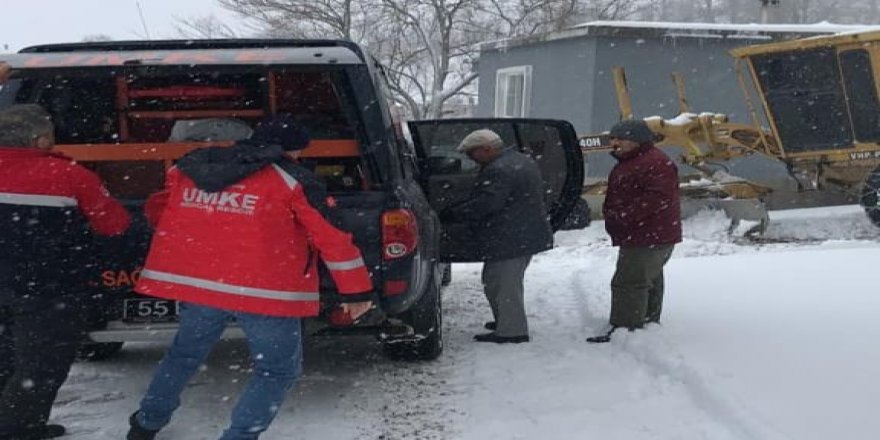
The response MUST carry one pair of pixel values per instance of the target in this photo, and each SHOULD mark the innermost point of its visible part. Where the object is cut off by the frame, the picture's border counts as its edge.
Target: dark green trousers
(637, 286)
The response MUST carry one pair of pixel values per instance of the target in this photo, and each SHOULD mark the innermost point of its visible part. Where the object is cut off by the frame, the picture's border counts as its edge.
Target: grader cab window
(861, 94)
(805, 94)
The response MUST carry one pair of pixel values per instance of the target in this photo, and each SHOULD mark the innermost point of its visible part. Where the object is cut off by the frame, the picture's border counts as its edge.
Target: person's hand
(357, 309)
(5, 71)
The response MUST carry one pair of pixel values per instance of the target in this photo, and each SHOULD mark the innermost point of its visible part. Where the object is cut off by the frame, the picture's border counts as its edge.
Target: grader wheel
(870, 198)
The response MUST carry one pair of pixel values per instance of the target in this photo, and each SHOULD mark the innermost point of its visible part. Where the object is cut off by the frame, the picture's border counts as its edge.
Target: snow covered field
(758, 341)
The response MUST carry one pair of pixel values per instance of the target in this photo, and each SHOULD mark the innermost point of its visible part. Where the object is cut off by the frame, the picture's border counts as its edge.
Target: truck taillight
(395, 287)
(400, 233)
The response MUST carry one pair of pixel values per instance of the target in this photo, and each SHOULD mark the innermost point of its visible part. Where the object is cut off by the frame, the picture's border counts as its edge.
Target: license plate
(150, 310)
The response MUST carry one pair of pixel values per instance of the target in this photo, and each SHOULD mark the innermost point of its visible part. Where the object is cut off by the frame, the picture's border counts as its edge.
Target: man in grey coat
(507, 214)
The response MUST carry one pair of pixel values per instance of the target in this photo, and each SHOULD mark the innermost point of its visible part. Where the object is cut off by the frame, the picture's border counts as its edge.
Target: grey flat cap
(480, 138)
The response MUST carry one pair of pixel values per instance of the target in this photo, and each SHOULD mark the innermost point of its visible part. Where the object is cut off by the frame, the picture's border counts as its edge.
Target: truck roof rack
(193, 44)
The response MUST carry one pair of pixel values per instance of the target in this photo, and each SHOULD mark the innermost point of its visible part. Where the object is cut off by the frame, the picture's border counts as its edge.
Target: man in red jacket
(643, 216)
(238, 232)
(50, 209)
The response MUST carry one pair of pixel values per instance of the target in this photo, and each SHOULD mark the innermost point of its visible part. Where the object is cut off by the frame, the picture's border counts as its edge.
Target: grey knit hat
(210, 129)
(635, 130)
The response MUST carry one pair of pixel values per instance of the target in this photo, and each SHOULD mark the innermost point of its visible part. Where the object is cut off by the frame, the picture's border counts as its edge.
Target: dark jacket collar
(504, 152)
(215, 168)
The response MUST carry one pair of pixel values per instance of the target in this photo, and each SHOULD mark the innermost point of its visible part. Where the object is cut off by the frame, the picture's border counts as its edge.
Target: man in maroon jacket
(643, 216)
(50, 210)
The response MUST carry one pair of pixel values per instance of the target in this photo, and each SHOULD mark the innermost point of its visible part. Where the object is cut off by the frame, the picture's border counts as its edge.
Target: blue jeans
(276, 350)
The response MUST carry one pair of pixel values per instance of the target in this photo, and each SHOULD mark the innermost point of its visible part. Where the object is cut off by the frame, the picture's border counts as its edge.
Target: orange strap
(171, 151)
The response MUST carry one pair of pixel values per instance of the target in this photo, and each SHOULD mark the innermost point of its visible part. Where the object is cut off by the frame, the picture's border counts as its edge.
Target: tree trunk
(708, 11)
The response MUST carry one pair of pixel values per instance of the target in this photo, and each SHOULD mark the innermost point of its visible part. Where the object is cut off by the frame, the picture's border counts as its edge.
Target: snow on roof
(753, 31)
(819, 28)
(865, 35)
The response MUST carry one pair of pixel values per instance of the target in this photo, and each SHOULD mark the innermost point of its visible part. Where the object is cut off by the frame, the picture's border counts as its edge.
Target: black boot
(52, 431)
(603, 338)
(492, 337)
(39, 433)
(137, 432)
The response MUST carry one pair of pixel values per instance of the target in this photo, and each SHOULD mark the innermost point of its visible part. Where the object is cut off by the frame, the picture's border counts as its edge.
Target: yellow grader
(817, 111)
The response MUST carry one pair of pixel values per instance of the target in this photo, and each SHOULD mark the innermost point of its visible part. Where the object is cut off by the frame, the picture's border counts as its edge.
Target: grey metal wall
(562, 78)
(710, 81)
(571, 78)
(707, 69)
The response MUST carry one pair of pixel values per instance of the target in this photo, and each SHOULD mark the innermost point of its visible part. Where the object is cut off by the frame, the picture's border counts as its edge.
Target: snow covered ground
(758, 342)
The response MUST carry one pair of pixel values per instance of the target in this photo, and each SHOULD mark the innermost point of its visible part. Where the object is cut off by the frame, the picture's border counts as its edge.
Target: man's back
(49, 207)
(239, 230)
(526, 196)
(510, 216)
(244, 234)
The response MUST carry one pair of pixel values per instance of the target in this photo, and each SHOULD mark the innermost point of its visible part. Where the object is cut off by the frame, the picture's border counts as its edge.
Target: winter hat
(480, 138)
(635, 130)
(280, 129)
(20, 124)
(210, 129)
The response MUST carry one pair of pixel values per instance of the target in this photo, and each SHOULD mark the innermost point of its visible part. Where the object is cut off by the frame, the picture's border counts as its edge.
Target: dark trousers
(276, 349)
(503, 286)
(637, 285)
(37, 347)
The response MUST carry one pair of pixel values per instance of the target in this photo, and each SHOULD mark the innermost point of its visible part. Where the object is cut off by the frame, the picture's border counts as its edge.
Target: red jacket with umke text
(250, 245)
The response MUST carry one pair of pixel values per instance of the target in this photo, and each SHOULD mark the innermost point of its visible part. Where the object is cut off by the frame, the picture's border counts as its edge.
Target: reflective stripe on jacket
(39, 178)
(250, 246)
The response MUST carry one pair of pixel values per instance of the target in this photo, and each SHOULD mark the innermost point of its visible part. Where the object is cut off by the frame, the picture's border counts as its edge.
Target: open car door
(448, 176)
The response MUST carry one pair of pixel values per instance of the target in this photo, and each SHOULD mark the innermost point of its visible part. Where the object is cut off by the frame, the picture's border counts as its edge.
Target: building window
(513, 86)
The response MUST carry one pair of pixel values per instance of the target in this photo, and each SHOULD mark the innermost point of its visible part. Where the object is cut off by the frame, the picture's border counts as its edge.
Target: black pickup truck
(120, 107)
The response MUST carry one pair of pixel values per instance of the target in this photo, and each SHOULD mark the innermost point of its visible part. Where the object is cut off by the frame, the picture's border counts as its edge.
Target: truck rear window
(121, 122)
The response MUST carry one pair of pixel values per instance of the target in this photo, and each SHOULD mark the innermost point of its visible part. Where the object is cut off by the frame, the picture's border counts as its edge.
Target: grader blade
(748, 217)
(739, 199)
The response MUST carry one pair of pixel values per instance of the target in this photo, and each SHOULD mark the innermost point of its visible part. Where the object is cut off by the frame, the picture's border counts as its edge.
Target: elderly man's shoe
(492, 337)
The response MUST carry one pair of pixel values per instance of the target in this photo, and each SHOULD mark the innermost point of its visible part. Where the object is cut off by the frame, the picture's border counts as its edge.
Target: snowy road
(759, 342)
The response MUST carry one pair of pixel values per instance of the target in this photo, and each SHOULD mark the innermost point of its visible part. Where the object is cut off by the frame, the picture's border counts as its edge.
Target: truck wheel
(98, 351)
(870, 199)
(446, 279)
(579, 218)
(426, 319)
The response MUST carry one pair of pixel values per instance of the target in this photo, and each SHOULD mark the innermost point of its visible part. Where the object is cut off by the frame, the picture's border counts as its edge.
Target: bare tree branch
(204, 27)
(427, 46)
